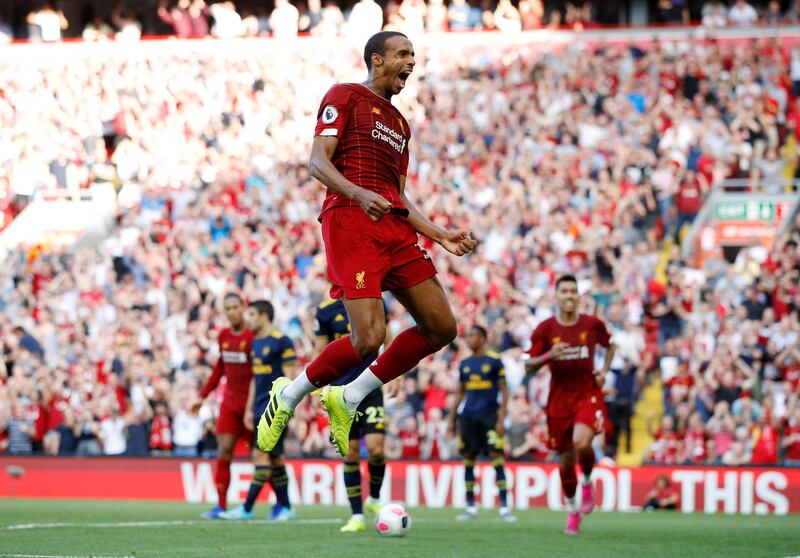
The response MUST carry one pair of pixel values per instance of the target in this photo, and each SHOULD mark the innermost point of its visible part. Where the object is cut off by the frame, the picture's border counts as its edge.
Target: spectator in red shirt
(691, 193)
(788, 363)
(667, 445)
(694, 441)
(661, 496)
(188, 18)
(765, 435)
(37, 414)
(409, 439)
(160, 431)
(432, 385)
(790, 441)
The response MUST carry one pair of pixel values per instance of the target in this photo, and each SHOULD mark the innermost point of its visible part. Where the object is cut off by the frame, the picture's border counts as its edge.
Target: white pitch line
(127, 524)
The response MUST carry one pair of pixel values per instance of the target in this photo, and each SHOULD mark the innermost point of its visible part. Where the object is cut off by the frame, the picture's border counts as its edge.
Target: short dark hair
(481, 330)
(568, 278)
(234, 296)
(264, 307)
(377, 45)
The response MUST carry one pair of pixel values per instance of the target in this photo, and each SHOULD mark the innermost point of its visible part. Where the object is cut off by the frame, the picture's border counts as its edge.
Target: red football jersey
(373, 141)
(236, 365)
(572, 374)
(694, 445)
(669, 443)
(793, 451)
(55, 412)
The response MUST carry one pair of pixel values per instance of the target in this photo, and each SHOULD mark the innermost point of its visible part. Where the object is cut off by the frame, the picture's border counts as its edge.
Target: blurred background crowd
(128, 20)
(591, 161)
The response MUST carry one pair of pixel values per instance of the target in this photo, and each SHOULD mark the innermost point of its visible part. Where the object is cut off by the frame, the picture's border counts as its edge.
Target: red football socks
(222, 477)
(403, 354)
(334, 360)
(569, 480)
(586, 461)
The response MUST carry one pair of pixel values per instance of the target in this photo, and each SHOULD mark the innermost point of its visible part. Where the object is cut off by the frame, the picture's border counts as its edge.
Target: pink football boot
(573, 524)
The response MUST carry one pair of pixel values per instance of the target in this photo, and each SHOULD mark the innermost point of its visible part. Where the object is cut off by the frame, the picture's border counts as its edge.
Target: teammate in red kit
(235, 363)
(575, 408)
(370, 228)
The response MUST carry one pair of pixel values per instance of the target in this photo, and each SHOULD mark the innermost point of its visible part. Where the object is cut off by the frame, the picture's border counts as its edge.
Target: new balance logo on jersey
(574, 353)
(360, 280)
(234, 357)
(384, 133)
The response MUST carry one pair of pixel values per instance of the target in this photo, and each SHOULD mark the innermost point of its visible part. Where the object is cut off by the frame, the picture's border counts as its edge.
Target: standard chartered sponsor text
(384, 133)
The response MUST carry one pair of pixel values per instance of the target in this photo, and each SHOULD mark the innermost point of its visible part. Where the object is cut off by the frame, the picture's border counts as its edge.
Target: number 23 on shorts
(375, 414)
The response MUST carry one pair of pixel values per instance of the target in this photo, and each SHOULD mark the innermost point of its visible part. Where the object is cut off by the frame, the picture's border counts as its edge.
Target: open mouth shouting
(402, 77)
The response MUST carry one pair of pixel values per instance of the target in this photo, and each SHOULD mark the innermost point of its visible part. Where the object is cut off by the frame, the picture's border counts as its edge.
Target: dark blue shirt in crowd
(67, 441)
(138, 439)
(31, 344)
(625, 384)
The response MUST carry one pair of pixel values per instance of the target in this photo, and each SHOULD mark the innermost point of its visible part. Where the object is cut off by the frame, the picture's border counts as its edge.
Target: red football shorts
(591, 412)
(231, 422)
(366, 257)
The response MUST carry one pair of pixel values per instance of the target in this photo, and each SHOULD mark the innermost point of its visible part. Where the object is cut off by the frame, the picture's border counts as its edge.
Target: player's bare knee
(225, 453)
(584, 446)
(375, 452)
(367, 341)
(353, 452)
(352, 456)
(567, 458)
(442, 333)
(368, 336)
(449, 331)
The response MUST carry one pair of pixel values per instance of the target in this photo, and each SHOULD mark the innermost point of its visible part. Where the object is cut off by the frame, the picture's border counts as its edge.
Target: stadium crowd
(126, 21)
(586, 164)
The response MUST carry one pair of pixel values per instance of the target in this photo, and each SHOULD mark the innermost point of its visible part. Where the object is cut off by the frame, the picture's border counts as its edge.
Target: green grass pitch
(55, 528)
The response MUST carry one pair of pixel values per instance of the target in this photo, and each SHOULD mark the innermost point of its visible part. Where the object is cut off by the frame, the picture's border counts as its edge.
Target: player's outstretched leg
(285, 395)
(436, 327)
